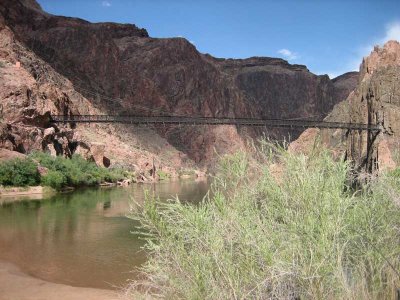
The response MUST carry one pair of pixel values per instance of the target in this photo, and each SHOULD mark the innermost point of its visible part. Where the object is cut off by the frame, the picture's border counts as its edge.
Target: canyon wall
(119, 69)
(31, 90)
(375, 100)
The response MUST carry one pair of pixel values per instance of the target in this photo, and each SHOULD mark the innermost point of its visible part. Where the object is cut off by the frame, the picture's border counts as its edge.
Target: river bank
(60, 173)
(14, 284)
(12, 194)
(15, 194)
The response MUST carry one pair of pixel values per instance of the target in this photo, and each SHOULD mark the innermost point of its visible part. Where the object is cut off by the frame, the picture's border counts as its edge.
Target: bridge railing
(131, 119)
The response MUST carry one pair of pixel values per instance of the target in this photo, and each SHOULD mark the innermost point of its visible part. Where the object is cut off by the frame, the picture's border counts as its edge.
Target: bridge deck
(211, 121)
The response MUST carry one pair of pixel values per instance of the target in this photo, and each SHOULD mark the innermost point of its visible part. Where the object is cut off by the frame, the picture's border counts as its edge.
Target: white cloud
(392, 32)
(192, 42)
(105, 4)
(288, 54)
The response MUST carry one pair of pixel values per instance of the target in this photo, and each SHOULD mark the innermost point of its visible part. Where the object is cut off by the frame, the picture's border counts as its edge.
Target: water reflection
(82, 238)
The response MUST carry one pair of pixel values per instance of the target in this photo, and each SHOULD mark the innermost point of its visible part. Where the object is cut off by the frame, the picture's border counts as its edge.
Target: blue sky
(329, 37)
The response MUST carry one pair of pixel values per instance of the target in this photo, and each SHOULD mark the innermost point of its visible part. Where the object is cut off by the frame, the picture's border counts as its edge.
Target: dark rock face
(124, 71)
(375, 101)
(344, 84)
(280, 90)
(26, 103)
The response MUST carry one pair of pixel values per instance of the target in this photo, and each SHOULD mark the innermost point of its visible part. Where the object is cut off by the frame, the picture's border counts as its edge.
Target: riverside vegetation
(300, 232)
(61, 172)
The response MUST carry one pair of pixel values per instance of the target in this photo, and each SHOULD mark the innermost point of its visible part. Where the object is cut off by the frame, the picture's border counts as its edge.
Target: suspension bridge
(181, 120)
(159, 116)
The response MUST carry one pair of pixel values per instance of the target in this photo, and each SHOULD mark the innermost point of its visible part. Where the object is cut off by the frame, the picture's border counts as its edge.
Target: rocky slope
(376, 100)
(118, 68)
(31, 90)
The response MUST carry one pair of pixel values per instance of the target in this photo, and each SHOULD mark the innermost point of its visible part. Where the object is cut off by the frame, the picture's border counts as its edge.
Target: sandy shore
(15, 285)
(15, 194)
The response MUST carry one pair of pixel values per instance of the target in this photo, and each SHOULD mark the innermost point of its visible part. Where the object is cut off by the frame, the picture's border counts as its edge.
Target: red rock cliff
(375, 100)
(120, 69)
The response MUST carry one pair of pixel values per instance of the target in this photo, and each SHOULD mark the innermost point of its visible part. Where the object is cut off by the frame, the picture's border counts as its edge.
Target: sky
(329, 37)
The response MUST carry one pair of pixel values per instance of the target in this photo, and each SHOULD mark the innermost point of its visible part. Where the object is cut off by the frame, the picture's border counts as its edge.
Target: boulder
(385, 159)
(49, 132)
(106, 162)
(97, 150)
(48, 135)
(83, 149)
(50, 149)
(200, 174)
(6, 154)
(125, 182)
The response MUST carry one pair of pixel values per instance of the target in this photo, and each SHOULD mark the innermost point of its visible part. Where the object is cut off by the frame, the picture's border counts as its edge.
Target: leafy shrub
(62, 172)
(54, 179)
(19, 172)
(294, 230)
(76, 171)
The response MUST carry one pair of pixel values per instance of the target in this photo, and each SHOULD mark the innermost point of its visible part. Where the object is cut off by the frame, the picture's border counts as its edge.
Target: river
(82, 238)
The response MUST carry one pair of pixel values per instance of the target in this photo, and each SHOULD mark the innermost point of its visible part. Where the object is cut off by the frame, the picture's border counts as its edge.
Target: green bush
(61, 172)
(19, 172)
(76, 171)
(54, 179)
(295, 232)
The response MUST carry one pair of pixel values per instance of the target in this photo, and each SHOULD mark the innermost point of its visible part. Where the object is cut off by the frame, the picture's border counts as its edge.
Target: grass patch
(163, 175)
(395, 173)
(299, 232)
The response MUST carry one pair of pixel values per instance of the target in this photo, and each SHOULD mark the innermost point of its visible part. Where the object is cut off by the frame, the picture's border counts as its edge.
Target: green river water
(82, 238)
